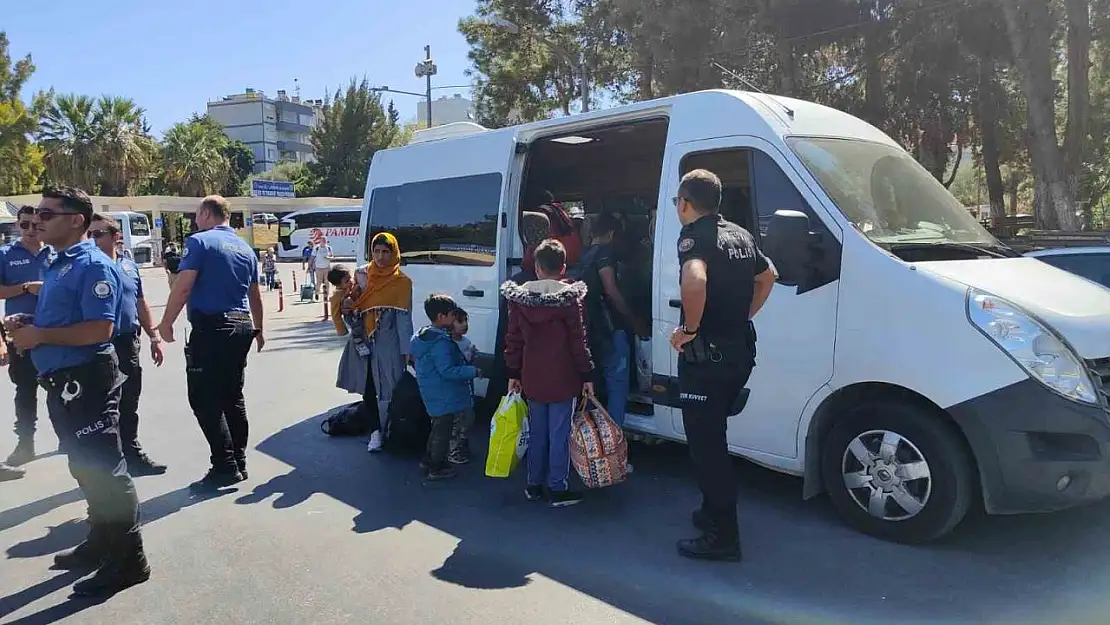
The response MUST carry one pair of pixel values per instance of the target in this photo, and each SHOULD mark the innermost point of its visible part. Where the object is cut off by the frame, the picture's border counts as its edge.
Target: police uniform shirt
(81, 284)
(18, 265)
(131, 291)
(732, 261)
(225, 266)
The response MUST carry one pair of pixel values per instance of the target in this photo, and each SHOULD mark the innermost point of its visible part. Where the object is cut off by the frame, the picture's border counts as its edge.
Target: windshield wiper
(989, 249)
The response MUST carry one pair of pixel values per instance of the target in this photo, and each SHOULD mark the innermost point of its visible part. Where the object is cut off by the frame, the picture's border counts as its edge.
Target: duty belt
(231, 316)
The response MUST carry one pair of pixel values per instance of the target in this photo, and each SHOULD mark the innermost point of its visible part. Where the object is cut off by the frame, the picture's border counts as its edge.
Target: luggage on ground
(408, 424)
(307, 292)
(508, 436)
(598, 449)
(349, 420)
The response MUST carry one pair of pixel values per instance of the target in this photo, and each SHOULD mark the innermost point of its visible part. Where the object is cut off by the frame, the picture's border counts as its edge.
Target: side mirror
(788, 244)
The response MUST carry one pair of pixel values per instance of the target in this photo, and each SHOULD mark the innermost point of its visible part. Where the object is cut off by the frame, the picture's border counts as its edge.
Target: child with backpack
(548, 358)
(444, 379)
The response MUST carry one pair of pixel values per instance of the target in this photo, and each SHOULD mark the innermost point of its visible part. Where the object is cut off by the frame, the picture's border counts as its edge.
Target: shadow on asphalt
(310, 334)
(801, 563)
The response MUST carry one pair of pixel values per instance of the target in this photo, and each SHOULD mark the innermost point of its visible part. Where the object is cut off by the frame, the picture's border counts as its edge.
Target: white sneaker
(628, 468)
(375, 444)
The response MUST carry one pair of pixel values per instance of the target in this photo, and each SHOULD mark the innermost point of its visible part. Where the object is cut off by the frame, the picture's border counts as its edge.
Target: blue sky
(172, 57)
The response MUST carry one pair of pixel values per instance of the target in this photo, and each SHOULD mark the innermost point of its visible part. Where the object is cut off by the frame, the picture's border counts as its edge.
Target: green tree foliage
(240, 158)
(1006, 78)
(353, 126)
(20, 159)
(194, 157)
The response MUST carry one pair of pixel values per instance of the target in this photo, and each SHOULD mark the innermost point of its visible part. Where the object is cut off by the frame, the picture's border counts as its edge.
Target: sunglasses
(96, 234)
(45, 214)
(25, 225)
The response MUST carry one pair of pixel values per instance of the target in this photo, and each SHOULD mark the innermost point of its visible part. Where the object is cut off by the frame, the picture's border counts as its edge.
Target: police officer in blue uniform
(724, 281)
(134, 316)
(218, 281)
(70, 342)
(21, 265)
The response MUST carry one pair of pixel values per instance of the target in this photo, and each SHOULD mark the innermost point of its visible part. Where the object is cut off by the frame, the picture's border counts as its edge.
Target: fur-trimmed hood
(544, 293)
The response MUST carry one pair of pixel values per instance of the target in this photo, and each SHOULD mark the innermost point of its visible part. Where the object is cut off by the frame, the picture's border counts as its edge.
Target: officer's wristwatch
(688, 331)
(25, 288)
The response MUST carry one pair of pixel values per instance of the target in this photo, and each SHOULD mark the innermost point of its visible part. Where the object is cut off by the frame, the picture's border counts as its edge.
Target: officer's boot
(87, 556)
(24, 451)
(719, 541)
(701, 519)
(125, 566)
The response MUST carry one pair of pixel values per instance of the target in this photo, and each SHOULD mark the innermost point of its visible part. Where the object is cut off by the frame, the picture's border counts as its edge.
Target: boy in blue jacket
(444, 379)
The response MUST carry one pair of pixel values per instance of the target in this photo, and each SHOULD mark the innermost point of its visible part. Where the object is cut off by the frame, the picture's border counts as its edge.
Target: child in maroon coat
(548, 359)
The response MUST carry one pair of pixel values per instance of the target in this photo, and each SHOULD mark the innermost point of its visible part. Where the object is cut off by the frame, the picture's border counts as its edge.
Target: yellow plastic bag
(508, 436)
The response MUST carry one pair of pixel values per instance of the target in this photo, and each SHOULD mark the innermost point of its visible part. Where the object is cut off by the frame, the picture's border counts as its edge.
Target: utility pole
(426, 69)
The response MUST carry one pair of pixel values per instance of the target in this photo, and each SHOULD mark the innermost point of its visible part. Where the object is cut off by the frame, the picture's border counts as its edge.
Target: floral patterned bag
(598, 449)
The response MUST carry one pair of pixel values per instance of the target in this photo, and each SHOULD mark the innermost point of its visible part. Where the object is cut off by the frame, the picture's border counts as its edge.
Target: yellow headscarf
(386, 287)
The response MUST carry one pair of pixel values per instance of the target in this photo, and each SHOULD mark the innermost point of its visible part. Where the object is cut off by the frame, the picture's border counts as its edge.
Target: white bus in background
(339, 224)
(135, 228)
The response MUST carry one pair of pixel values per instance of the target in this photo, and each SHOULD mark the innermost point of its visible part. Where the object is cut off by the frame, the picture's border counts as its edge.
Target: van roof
(780, 115)
(321, 209)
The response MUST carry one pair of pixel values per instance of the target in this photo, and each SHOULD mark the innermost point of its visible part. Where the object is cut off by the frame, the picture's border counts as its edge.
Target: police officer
(7, 473)
(21, 265)
(70, 342)
(724, 280)
(218, 280)
(134, 316)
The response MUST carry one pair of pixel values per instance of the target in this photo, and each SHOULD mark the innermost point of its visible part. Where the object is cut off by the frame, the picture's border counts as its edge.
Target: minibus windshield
(887, 195)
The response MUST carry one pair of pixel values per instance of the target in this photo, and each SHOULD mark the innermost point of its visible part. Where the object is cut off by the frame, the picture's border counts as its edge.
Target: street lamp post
(426, 69)
(577, 63)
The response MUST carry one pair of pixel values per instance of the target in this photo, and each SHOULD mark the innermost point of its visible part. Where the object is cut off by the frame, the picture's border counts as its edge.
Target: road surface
(324, 533)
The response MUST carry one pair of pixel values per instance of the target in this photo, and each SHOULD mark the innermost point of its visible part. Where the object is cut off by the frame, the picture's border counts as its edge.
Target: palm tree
(194, 159)
(125, 151)
(67, 133)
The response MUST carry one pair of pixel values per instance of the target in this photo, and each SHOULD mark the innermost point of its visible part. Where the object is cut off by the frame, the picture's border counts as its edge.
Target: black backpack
(408, 421)
(349, 420)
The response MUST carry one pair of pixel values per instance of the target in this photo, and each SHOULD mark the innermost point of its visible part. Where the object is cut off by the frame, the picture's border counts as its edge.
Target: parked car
(1092, 263)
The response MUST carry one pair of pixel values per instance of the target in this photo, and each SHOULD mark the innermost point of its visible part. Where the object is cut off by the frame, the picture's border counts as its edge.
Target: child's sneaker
(444, 473)
(533, 493)
(459, 456)
(565, 498)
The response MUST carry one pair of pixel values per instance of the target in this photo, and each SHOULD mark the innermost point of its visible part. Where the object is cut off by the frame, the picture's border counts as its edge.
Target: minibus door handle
(675, 303)
(473, 292)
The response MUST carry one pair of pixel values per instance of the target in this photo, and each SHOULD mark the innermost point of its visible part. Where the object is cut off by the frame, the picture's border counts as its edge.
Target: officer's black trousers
(127, 350)
(23, 375)
(216, 362)
(708, 392)
(83, 403)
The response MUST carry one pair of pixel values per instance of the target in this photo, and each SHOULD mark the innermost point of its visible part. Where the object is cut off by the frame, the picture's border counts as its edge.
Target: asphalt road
(325, 533)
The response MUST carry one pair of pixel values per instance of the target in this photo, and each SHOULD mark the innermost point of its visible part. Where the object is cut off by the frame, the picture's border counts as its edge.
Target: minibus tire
(951, 488)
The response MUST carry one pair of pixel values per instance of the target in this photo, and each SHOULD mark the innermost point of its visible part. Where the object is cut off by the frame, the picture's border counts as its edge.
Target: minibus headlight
(1032, 345)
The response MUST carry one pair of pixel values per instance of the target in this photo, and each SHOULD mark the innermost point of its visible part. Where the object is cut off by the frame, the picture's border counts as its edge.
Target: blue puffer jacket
(442, 373)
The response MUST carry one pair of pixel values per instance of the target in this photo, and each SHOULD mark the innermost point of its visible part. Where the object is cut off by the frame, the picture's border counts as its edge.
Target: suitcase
(307, 292)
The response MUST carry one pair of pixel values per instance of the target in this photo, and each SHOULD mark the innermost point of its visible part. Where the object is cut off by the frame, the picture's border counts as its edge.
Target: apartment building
(277, 129)
(446, 110)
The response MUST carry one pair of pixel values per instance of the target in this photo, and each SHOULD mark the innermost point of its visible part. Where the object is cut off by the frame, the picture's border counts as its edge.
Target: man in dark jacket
(548, 358)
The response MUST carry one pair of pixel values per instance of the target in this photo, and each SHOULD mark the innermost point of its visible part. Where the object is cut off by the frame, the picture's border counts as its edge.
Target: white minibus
(909, 365)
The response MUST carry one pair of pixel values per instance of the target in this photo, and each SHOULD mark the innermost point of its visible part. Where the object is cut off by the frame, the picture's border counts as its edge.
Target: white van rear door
(444, 200)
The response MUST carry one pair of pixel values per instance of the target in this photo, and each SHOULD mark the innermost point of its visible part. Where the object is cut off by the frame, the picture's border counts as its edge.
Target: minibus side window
(774, 191)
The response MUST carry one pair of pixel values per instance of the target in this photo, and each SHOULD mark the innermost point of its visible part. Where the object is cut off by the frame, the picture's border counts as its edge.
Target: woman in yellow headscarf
(383, 294)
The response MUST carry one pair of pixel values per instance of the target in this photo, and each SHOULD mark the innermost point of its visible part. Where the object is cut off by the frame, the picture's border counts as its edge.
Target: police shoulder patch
(686, 244)
(102, 289)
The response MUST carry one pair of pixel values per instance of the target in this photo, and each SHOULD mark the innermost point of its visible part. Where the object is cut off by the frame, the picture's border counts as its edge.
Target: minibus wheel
(898, 471)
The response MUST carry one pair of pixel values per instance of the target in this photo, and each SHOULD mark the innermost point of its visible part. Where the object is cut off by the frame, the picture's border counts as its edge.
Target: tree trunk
(1031, 40)
(645, 89)
(787, 68)
(874, 89)
(1079, 89)
(988, 128)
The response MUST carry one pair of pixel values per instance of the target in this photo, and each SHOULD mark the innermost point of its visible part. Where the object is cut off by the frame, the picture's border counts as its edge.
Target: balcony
(294, 146)
(294, 128)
